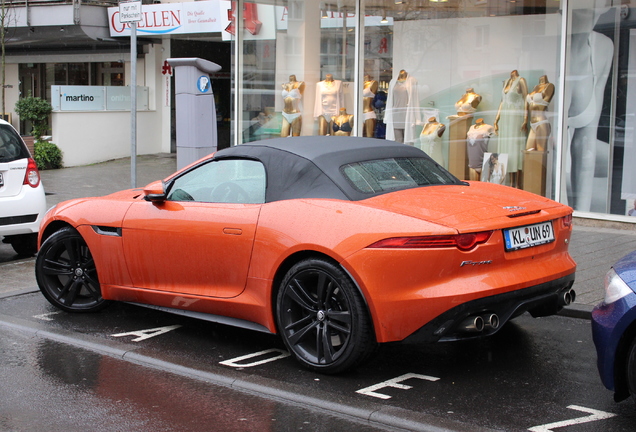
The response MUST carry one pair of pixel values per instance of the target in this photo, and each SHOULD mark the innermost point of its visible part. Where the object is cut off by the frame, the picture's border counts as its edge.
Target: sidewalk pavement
(594, 249)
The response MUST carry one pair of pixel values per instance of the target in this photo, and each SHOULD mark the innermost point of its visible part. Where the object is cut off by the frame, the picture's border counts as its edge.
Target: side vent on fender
(106, 230)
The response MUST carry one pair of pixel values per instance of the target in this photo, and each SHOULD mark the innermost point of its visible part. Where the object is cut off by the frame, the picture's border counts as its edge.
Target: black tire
(66, 273)
(322, 318)
(631, 369)
(25, 244)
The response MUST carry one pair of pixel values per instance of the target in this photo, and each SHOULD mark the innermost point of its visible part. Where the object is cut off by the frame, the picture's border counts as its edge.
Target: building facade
(530, 93)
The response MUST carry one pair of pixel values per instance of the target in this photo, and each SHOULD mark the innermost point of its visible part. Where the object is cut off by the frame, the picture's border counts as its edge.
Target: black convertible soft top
(309, 167)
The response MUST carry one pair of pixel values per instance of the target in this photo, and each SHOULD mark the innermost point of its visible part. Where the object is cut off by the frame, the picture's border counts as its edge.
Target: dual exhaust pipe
(566, 297)
(479, 323)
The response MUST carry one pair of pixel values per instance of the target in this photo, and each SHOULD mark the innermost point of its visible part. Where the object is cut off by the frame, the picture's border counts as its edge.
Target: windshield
(11, 145)
(383, 175)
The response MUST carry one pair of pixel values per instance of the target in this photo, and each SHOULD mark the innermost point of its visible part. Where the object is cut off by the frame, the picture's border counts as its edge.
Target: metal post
(133, 105)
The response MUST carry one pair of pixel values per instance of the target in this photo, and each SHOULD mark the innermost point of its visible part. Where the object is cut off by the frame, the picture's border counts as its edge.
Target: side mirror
(155, 192)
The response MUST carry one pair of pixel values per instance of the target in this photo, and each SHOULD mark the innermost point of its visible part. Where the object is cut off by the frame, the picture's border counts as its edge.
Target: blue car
(614, 329)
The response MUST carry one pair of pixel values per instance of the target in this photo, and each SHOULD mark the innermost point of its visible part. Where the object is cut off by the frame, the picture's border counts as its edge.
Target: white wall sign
(130, 11)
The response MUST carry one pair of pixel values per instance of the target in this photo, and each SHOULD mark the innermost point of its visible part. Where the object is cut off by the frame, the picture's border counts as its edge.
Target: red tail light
(566, 221)
(463, 242)
(32, 176)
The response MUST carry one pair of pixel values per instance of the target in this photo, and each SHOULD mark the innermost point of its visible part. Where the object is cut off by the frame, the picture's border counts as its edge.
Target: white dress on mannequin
(511, 138)
(405, 115)
(329, 99)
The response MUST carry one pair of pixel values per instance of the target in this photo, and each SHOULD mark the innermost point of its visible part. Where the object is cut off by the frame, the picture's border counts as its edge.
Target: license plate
(528, 236)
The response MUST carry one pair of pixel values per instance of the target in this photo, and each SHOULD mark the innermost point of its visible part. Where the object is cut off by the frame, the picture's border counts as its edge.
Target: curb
(576, 310)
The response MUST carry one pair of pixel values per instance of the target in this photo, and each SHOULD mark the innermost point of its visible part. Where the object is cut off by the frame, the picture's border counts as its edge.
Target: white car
(22, 200)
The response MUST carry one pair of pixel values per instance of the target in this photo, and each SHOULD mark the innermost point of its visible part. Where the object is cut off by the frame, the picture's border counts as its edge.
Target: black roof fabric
(309, 167)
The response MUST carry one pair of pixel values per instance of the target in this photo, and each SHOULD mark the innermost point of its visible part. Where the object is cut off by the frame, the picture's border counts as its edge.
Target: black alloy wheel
(66, 273)
(322, 318)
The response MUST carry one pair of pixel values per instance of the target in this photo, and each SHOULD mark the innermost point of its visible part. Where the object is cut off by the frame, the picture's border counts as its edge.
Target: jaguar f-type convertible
(336, 244)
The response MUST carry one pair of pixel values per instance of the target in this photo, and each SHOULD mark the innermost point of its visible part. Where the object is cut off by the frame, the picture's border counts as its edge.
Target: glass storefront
(531, 94)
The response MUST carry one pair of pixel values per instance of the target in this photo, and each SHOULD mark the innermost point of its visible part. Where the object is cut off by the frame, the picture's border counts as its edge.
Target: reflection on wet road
(50, 386)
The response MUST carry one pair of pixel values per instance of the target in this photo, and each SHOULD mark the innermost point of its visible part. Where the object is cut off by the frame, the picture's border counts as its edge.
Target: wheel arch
(621, 389)
(299, 256)
(53, 227)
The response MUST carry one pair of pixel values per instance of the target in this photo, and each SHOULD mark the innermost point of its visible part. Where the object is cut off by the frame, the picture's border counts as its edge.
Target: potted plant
(37, 110)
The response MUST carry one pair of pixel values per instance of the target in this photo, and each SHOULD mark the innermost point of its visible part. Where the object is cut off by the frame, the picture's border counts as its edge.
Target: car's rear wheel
(322, 318)
(25, 244)
(66, 273)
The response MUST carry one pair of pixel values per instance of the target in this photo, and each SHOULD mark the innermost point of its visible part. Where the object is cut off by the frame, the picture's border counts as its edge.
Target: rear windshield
(383, 175)
(11, 145)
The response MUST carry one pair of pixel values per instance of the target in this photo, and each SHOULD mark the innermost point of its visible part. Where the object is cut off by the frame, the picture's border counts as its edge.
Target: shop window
(468, 82)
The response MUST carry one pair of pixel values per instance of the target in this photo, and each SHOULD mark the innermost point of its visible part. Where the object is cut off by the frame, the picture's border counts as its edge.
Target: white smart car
(22, 200)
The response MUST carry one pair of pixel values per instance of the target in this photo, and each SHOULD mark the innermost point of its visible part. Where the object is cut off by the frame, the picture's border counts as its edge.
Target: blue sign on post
(203, 84)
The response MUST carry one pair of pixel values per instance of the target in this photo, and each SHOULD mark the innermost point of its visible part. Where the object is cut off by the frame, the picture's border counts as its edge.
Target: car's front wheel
(322, 318)
(66, 273)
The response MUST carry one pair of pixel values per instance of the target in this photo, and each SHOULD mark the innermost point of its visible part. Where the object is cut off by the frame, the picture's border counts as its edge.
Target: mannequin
(292, 110)
(431, 140)
(468, 103)
(511, 124)
(342, 124)
(402, 109)
(538, 101)
(590, 57)
(476, 145)
(369, 90)
(329, 100)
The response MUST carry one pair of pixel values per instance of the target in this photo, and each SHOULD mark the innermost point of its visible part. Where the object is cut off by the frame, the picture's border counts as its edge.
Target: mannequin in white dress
(329, 100)
(511, 124)
(402, 109)
(430, 141)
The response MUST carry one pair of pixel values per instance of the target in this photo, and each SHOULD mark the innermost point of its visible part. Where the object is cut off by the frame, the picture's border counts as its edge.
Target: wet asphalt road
(535, 372)
(51, 386)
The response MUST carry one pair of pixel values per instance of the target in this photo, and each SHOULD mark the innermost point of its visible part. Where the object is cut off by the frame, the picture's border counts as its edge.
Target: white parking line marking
(147, 334)
(595, 416)
(45, 317)
(234, 362)
(395, 383)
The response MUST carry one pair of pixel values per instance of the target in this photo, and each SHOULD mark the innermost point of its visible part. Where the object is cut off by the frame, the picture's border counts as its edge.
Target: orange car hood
(465, 207)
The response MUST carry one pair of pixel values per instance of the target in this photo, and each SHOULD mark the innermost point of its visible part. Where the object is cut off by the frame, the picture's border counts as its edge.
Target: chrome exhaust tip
(472, 324)
(491, 321)
(567, 297)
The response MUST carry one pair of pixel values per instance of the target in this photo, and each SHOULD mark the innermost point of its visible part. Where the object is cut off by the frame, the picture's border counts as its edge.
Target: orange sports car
(336, 244)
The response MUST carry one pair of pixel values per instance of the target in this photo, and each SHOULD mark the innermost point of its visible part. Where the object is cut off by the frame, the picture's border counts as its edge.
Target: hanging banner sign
(170, 18)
